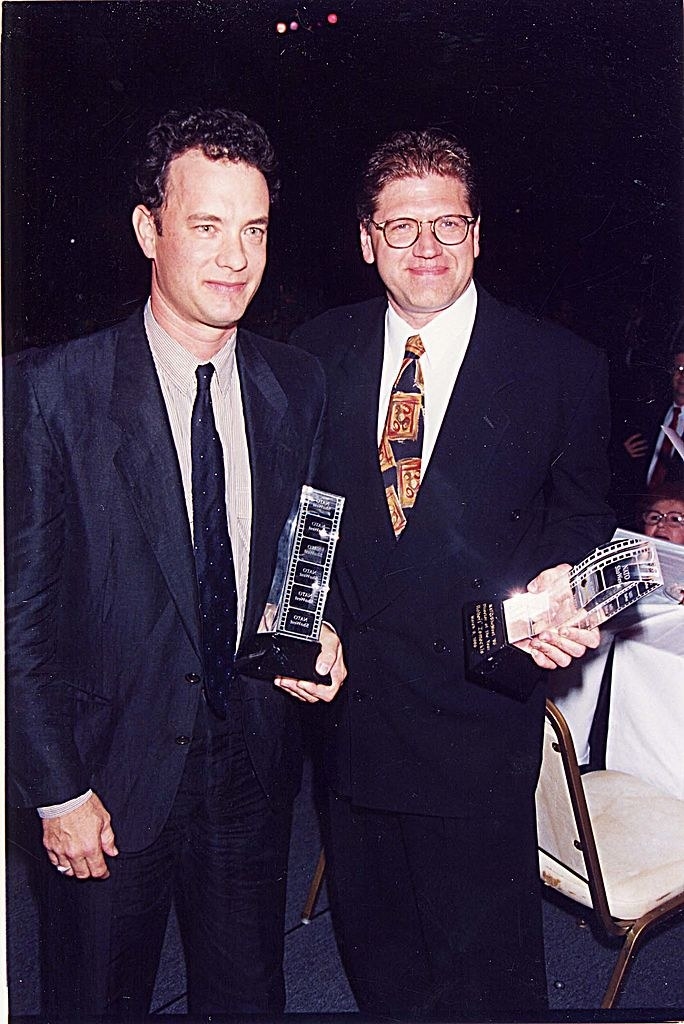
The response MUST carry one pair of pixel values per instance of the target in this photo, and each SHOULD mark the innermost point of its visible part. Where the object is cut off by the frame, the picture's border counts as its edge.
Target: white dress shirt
(445, 340)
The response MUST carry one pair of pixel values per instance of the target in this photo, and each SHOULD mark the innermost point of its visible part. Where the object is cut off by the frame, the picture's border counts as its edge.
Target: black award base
(267, 655)
(490, 660)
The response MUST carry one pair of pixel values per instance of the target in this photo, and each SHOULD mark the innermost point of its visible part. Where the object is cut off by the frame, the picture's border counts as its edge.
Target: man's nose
(426, 244)
(232, 253)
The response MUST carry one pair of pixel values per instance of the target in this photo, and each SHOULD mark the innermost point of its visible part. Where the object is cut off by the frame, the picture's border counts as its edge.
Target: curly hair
(415, 154)
(220, 134)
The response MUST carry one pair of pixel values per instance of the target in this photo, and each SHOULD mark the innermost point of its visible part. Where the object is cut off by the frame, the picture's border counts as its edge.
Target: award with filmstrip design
(288, 641)
(611, 578)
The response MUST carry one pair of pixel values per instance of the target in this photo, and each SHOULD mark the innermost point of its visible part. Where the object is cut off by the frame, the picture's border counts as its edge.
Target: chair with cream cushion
(610, 842)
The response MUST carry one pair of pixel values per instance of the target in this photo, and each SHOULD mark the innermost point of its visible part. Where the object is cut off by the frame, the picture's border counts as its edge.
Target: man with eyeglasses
(469, 441)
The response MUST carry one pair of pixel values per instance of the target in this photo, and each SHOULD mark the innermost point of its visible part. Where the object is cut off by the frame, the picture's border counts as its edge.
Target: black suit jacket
(514, 485)
(103, 633)
(629, 475)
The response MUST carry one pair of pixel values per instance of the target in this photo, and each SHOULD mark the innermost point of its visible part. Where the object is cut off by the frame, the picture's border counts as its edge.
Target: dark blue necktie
(213, 551)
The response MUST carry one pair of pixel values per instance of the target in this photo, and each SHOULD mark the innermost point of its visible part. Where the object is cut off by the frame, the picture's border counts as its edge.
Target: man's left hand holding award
(294, 647)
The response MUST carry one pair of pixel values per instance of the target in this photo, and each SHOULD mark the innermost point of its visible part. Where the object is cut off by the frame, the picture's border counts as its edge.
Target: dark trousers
(221, 858)
(437, 918)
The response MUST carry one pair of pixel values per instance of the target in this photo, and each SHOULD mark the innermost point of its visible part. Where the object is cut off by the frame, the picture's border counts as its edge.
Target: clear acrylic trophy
(611, 578)
(287, 643)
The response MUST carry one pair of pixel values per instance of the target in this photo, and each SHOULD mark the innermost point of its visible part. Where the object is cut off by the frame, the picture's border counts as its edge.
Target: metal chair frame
(631, 931)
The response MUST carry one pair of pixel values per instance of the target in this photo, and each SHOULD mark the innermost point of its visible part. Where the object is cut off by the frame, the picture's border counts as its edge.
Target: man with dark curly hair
(150, 470)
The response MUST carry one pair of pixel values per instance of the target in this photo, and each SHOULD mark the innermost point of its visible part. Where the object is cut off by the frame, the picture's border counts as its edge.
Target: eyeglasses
(674, 519)
(403, 232)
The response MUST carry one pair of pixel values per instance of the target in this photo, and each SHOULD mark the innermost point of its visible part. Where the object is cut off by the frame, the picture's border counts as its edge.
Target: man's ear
(366, 243)
(476, 238)
(145, 230)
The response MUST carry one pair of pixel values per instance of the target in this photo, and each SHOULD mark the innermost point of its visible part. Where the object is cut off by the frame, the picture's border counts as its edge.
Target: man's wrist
(58, 810)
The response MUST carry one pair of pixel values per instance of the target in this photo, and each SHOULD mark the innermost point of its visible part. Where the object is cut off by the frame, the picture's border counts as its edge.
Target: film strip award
(288, 641)
(611, 578)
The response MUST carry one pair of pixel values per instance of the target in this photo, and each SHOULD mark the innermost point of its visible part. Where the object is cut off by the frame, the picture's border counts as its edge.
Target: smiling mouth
(226, 286)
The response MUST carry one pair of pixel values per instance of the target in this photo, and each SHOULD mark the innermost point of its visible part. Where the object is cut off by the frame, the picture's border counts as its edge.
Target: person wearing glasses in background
(469, 441)
(662, 514)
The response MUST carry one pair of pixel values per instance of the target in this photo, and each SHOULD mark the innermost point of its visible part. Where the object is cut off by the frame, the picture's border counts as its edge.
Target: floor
(578, 964)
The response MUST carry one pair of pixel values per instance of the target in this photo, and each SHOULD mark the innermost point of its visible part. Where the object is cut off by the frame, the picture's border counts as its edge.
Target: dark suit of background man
(652, 460)
(147, 792)
(432, 831)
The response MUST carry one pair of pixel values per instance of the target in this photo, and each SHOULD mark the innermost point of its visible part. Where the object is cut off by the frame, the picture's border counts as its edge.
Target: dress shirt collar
(179, 365)
(453, 325)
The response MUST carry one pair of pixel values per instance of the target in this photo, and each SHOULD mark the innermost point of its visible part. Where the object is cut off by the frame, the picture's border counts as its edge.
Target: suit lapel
(270, 444)
(368, 538)
(148, 465)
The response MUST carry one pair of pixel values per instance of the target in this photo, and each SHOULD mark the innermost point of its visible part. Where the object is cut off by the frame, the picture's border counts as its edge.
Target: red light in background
(294, 25)
(332, 18)
(281, 27)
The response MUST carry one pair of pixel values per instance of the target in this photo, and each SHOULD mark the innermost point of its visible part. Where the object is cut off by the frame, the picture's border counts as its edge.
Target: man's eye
(205, 229)
(255, 233)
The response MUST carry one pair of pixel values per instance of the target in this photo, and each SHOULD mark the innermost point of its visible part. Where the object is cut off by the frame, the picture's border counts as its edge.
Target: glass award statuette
(288, 641)
(611, 578)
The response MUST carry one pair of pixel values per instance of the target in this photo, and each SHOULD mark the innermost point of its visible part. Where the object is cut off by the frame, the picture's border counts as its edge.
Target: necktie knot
(414, 347)
(204, 373)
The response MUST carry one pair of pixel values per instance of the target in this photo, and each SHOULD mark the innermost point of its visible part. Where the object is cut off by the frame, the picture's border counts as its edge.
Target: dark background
(572, 109)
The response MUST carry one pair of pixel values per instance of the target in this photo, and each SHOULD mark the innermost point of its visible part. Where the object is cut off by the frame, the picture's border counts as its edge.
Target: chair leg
(314, 889)
(624, 960)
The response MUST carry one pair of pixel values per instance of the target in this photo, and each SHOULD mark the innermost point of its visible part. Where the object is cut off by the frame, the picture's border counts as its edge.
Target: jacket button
(439, 647)
(182, 741)
(358, 696)
(515, 514)
(477, 583)
(193, 678)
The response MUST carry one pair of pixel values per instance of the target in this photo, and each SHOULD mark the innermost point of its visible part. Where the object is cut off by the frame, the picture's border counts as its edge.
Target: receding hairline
(417, 176)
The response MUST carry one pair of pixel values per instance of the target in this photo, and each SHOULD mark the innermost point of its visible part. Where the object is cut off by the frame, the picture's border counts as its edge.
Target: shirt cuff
(57, 810)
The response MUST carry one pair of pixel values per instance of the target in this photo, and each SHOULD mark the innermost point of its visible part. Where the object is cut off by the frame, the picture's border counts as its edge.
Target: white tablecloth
(646, 715)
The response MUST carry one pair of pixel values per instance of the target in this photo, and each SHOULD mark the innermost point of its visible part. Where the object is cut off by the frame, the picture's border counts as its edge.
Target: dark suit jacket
(514, 485)
(629, 475)
(102, 608)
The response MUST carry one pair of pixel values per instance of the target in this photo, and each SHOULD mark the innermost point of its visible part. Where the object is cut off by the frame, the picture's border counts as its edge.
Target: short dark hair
(220, 134)
(415, 154)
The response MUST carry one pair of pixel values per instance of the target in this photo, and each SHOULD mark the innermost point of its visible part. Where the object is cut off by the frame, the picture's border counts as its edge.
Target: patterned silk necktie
(664, 460)
(213, 551)
(401, 446)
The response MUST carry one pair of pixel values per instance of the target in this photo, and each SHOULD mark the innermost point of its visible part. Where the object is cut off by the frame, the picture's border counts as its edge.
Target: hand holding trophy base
(611, 578)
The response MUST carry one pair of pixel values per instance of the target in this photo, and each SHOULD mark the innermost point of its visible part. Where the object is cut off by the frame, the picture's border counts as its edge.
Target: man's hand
(555, 648)
(636, 446)
(78, 841)
(331, 659)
